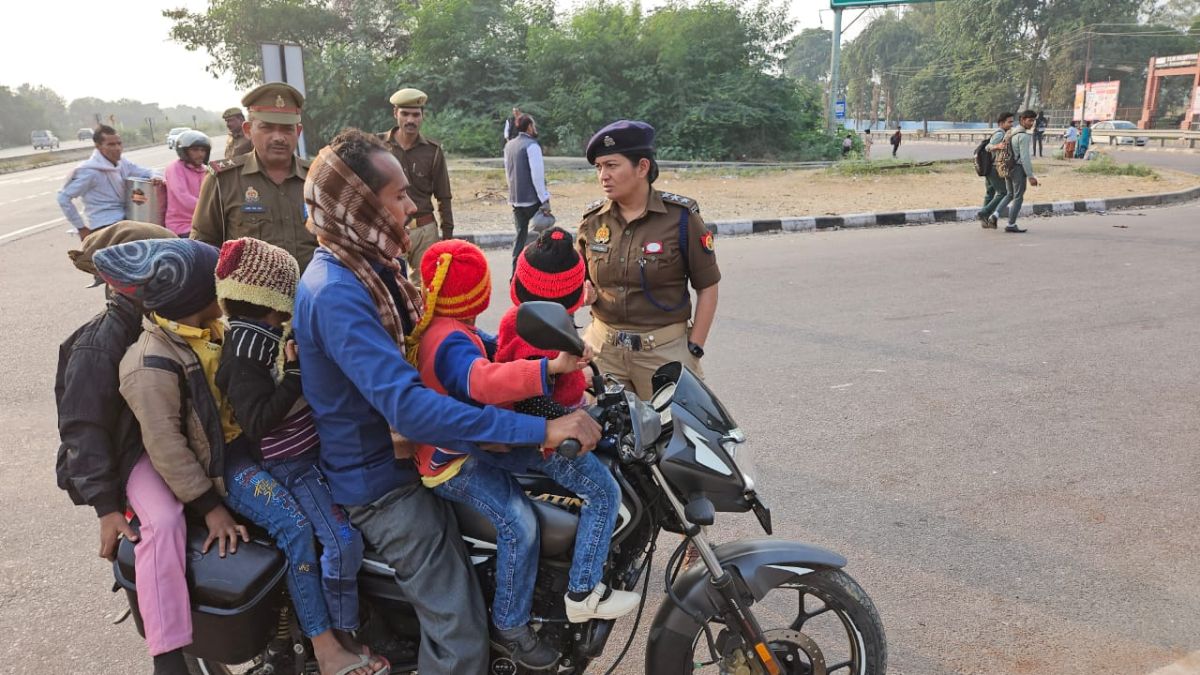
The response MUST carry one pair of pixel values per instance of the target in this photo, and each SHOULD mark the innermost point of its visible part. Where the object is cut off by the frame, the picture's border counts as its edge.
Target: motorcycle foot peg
(700, 511)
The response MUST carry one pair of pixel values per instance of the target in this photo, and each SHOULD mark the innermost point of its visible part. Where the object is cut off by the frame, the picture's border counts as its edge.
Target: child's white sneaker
(602, 603)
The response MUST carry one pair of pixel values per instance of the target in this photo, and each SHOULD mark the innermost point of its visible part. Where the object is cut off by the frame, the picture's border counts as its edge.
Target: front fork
(737, 614)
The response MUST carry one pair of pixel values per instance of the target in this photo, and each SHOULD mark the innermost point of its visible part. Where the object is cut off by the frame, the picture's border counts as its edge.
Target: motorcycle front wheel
(817, 624)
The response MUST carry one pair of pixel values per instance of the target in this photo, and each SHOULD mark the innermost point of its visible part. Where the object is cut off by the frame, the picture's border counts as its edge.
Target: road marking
(31, 229)
(28, 197)
(1188, 665)
(842, 386)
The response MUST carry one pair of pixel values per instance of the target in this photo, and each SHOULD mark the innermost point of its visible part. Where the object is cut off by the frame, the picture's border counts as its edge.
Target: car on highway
(1120, 125)
(174, 134)
(84, 134)
(42, 138)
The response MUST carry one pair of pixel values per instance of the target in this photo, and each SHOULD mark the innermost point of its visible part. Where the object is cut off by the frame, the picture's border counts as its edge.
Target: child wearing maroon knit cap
(549, 269)
(452, 356)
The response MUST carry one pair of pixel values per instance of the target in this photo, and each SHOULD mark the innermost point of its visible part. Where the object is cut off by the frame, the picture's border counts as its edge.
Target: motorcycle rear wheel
(833, 629)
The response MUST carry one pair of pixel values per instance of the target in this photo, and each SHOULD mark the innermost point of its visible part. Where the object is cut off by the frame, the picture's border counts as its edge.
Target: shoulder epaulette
(219, 165)
(689, 204)
(593, 207)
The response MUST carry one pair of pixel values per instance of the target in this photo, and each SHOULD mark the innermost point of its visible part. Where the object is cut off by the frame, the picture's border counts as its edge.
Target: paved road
(27, 198)
(64, 144)
(926, 150)
(998, 431)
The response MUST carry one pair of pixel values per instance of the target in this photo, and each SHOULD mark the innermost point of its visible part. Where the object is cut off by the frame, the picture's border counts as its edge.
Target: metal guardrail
(1179, 136)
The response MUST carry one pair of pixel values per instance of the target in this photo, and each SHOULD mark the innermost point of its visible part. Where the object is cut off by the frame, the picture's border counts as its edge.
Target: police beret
(274, 102)
(620, 136)
(409, 98)
(232, 112)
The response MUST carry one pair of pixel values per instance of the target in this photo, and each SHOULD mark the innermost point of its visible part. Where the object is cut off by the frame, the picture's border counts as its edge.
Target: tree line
(966, 61)
(32, 107)
(709, 75)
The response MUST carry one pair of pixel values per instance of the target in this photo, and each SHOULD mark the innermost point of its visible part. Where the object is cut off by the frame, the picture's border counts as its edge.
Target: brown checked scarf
(349, 219)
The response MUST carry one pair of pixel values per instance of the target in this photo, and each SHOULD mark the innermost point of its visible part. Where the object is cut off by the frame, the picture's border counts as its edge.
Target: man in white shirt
(526, 175)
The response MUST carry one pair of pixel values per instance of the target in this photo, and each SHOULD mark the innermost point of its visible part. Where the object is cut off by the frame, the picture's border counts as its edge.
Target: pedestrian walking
(100, 182)
(424, 164)
(1085, 140)
(1039, 132)
(237, 142)
(867, 143)
(525, 172)
(895, 141)
(996, 187)
(510, 126)
(261, 194)
(643, 248)
(1020, 144)
(1069, 139)
(184, 178)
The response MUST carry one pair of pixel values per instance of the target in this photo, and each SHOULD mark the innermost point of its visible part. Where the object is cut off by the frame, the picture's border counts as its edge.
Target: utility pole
(1087, 66)
(835, 57)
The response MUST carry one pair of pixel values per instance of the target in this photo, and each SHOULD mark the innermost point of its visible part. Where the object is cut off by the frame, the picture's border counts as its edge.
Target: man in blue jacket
(353, 308)
(100, 181)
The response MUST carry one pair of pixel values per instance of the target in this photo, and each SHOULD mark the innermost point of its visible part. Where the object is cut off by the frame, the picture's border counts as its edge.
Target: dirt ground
(727, 194)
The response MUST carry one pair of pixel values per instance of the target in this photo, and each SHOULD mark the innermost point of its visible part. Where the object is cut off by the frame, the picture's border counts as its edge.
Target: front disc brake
(787, 645)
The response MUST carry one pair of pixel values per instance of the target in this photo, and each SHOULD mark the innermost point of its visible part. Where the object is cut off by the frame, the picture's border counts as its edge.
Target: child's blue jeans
(293, 503)
(497, 495)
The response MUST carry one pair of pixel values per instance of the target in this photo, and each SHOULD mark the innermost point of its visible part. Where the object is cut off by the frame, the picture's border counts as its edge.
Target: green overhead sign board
(842, 4)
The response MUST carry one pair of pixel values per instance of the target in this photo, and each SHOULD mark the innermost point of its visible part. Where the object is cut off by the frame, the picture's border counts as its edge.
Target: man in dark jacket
(101, 440)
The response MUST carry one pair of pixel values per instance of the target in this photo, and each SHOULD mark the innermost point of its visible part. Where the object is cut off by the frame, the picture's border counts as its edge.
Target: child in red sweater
(452, 356)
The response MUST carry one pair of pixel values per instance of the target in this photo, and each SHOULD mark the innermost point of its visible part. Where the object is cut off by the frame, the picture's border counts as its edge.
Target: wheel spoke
(839, 666)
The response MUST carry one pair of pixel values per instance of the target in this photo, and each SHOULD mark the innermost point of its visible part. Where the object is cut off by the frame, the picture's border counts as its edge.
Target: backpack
(1005, 160)
(983, 158)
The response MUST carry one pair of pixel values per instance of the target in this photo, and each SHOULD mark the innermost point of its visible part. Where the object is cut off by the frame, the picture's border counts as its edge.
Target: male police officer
(425, 165)
(261, 194)
(237, 143)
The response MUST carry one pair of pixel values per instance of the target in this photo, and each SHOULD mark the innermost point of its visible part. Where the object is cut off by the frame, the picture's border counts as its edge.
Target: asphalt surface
(927, 150)
(27, 198)
(998, 431)
(64, 144)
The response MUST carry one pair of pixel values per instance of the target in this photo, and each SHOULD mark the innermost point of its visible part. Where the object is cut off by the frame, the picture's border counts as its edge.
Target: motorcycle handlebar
(570, 448)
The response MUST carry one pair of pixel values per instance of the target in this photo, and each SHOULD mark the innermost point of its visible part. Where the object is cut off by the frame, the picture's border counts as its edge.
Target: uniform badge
(251, 204)
(602, 234)
(279, 102)
(653, 248)
(609, 142)
(708, 242)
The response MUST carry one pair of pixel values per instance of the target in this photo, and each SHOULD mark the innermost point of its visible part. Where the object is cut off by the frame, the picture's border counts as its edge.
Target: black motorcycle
(748, 607)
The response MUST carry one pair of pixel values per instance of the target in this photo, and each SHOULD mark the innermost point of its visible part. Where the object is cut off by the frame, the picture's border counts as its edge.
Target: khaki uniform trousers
(419, 241)
(635, 368)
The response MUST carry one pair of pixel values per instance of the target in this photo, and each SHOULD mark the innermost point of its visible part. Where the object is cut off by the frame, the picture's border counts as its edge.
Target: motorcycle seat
(556, 524)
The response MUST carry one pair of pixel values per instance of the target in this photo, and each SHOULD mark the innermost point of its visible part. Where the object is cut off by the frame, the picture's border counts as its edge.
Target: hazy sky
(120, 49)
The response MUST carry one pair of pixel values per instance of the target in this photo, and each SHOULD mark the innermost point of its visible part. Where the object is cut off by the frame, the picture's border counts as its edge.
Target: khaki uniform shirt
(428, 177)
(616, 253)
(238, 199)
(238, 145)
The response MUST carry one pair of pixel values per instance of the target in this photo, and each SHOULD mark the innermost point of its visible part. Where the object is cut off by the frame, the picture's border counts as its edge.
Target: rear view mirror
(546, 325)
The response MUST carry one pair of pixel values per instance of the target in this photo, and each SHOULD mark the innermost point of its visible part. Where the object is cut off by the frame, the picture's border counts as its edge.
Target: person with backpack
(986, 166)
(1017, 167)
(102, 448)
(895, 141)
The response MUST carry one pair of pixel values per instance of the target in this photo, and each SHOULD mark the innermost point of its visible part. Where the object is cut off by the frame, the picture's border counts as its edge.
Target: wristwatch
(696, 350)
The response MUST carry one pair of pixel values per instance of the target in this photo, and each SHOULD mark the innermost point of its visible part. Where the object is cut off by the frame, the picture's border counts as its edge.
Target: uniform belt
(420, 221)
(642, 341)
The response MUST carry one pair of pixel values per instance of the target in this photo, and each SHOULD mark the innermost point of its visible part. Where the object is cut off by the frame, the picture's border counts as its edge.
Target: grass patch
(883, 167)
(1105, 166)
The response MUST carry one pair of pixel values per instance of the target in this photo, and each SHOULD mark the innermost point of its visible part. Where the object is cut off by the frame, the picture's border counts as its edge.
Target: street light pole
(835, 58)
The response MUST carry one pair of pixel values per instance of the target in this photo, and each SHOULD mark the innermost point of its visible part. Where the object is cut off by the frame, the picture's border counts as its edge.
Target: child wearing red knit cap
(452, 356)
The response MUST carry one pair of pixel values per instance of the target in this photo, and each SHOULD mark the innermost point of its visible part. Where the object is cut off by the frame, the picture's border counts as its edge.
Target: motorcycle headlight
(740, 452)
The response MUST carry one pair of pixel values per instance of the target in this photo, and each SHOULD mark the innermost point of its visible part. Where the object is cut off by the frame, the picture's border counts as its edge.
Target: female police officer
(643, 247)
